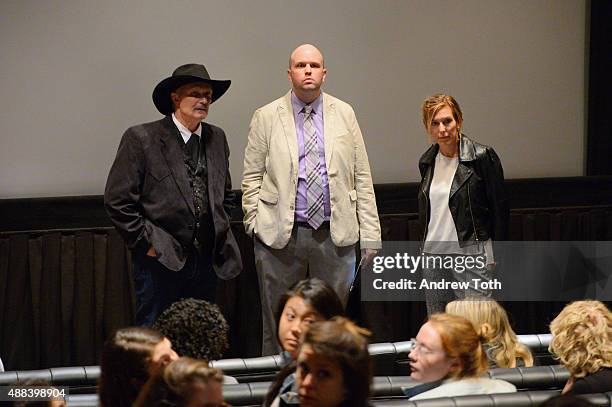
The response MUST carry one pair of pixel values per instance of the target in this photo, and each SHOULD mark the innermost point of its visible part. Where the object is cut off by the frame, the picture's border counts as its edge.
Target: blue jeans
(157, 287)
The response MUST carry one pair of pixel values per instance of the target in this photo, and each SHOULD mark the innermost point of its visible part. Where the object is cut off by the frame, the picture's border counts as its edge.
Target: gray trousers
(309, 253)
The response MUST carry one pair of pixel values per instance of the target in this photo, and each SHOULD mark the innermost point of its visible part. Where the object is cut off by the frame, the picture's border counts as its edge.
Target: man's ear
(175, 99)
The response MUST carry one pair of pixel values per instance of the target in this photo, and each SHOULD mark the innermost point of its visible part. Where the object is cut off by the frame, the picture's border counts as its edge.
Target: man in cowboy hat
(169, 194)
(307, 193)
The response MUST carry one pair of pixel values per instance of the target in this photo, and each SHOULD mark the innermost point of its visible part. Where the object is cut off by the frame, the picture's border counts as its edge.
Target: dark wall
(599, 132)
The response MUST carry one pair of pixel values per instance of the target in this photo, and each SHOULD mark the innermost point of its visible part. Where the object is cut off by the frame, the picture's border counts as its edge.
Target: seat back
(519, 399)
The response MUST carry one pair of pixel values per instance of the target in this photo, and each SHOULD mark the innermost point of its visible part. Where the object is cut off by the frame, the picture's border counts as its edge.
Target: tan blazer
(269, 182)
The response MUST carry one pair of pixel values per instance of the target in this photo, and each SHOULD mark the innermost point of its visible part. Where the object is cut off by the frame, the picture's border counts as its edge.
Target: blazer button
(291, 207)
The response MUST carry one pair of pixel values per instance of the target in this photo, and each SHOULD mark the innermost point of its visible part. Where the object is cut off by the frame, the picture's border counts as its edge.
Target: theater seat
(520, 399)
(68, 376)
(530, 378)
(82, 400)
(383, 357)
(7, 378)
(537, 377)
(388, 359)
(242, 395)
(384, 387)
(251, 369)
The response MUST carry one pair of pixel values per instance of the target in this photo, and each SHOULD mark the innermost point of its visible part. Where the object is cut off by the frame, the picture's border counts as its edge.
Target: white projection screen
(75, 74)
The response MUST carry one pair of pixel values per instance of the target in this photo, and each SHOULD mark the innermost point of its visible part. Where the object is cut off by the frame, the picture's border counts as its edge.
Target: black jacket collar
(467, 152)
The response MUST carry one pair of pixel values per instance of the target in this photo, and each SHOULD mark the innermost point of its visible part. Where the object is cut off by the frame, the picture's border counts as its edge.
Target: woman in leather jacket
(463, 206)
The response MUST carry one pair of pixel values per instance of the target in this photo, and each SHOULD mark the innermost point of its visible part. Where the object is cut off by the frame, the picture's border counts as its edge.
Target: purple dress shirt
(301, 202)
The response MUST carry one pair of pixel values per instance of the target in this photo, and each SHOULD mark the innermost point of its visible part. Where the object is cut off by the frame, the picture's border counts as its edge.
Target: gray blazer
(150, 201)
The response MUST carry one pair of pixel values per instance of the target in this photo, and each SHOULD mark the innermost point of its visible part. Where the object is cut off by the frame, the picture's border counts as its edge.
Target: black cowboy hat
(184, 74)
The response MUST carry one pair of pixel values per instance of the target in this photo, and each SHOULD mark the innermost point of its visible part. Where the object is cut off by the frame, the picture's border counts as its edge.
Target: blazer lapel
(462, 174)
(173, 153)
(285, 113)
(212, 166)
(330, 130)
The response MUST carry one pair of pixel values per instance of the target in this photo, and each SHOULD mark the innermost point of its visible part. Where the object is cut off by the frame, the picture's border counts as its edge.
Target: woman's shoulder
(484, 385)
(470, 145)
(465, 387)
(474, 151)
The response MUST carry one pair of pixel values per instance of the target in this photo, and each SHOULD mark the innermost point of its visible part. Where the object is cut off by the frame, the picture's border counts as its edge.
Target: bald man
(307, 192)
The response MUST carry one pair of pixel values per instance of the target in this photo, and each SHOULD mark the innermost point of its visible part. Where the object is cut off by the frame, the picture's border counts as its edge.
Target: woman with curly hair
(448, 357)
(129, 358)
(582, 341)
(196, 328)
(491, 322)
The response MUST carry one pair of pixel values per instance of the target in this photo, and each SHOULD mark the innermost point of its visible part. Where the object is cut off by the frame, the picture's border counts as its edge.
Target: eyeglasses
(421, 349)
(198, 95)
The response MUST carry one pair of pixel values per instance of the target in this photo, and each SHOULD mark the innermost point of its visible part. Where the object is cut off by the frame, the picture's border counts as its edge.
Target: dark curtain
(62, 293)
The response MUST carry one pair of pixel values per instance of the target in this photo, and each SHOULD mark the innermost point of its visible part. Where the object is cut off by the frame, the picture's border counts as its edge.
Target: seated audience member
(184, 382)
(566, 401)
(308, 301)
(333, 365)
(56, 402)
(449, 358)
(129, 357)
(582, 341)
(491, 322)
(196, 328)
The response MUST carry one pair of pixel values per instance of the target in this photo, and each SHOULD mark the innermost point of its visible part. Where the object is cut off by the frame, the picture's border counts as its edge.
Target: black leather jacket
(477, 201)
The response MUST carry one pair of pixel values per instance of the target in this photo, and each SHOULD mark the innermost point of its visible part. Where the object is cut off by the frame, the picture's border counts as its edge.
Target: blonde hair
(174, 385)
(582, 337)
(184, 371)
(460, 341)
(433, 104)
(491, 322)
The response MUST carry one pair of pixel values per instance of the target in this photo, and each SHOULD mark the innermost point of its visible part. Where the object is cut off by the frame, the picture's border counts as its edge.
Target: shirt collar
(298, 105)
(185, 132)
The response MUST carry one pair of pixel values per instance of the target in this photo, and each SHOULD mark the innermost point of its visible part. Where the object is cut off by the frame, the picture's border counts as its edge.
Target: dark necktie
(192, 149)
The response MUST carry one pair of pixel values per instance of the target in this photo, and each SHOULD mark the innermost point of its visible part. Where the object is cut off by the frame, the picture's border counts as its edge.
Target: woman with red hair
(448, 356)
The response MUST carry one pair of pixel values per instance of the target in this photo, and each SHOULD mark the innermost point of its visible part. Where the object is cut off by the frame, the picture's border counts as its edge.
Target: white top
(467, 387)
(441, 231)
(441, 226)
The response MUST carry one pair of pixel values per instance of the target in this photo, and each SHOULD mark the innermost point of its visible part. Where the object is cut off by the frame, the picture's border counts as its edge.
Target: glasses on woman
(421, 349)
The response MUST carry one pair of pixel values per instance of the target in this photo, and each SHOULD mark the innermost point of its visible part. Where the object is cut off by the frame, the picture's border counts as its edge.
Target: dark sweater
(599, 382)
